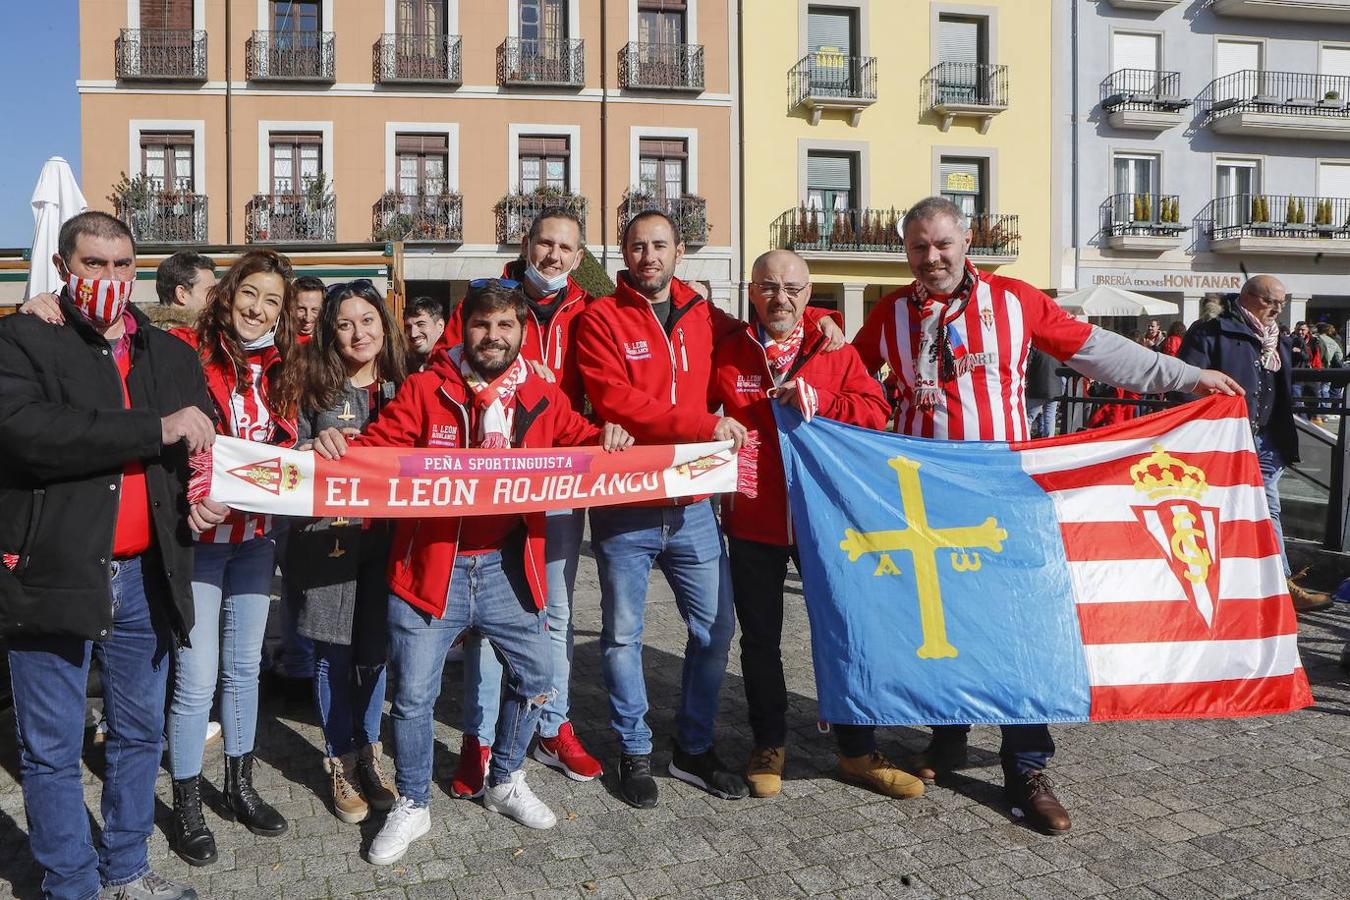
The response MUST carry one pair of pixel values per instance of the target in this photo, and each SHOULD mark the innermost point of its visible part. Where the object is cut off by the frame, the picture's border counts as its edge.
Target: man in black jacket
(97, 416)
(1244, 341)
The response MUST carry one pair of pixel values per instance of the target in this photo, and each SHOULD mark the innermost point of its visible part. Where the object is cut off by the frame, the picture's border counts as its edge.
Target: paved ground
(1177, 810)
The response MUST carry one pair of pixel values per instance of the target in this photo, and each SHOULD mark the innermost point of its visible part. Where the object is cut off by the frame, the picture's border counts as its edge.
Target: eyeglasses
(480, 283)
(1277, 302)
(769, 288)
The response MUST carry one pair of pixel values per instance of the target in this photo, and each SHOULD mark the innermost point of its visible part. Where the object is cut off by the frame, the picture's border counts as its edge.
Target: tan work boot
(764, 772)
(1304, 599)
(348, 804)
(876, 772)
(378, 787)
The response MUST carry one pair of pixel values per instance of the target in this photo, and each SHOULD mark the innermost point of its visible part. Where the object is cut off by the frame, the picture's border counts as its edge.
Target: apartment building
(889, 102)
(338, 130)
(1205, 139)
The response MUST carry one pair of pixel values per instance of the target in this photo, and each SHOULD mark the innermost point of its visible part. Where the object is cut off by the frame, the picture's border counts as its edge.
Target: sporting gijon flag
(1130, 572)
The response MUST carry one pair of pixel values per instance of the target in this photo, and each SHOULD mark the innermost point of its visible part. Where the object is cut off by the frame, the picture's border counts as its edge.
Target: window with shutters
(832, 41)
(166, 160)
(963, 56)
(962, 181)
(1135, 173)
(831, 180)
(296, 161)
(422, 161)
(1333, 179)
(544, 162)
(662, 166)
(420, 18)
(166, 14)
(661, 21)
(296, 17)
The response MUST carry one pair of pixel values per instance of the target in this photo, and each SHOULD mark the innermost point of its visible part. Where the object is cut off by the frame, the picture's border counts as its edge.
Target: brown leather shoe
(939, 758)
(1304, 599)
(1034, 802)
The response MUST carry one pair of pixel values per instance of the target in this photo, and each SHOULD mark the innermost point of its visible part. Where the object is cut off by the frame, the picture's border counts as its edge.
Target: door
(1237, 183)
(166, 37)
(295, 46)
(420, 47)
(961, 51)
(661, 38)
(661, 169)
(1136, 59)
(1333, 191)
(1136, 188)
(831, 189)
(1236, 66)
(831, 39)
(544, 45)
(1335, 78)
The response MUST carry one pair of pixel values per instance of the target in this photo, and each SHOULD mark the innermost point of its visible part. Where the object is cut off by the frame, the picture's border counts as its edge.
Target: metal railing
(515, 212)
(554, 62)
(994, 235)
(965, 84)
(286, 218)
(290, 56)
(661, 67)
(838, 231)
(169, 217)
(161, 54)
(432, 218)
(1156, 215)
(421, 58)
(1289, 93)
(1144, 89)
(689, 213)
(1277, 215)
(833, 76)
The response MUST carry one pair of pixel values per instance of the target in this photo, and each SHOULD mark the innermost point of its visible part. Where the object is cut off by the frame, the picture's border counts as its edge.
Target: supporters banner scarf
(385, 482)
(1129, 572)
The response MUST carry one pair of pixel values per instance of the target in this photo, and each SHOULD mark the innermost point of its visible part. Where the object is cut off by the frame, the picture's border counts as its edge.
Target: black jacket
(1227, 344)
(65, 436)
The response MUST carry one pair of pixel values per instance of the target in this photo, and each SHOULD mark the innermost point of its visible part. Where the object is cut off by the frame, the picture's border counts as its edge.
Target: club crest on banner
(271, 475)
(1186, 532)
(702, 466)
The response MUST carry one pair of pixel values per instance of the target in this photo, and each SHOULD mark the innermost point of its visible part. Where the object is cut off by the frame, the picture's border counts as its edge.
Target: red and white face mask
(101, 300)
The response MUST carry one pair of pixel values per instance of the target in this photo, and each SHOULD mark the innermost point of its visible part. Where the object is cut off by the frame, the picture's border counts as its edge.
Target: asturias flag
(1125, 573)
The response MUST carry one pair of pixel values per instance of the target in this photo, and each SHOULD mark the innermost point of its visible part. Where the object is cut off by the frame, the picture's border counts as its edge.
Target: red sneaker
(566, 754)
(467, 782)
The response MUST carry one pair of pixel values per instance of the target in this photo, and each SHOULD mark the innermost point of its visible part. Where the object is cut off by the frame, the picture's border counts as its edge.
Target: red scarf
(934, 363)
(494, 401)
(781, 354)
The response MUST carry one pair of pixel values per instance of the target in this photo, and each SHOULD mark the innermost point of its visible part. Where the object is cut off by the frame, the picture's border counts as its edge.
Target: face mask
(101, 300)
(262, 342)
(544, 285)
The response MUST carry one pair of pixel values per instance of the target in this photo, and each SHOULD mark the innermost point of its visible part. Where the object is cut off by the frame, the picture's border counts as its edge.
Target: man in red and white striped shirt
(957, 341)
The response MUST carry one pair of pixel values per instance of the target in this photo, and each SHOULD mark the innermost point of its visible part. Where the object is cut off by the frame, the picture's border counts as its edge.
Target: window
(1236, 56)
(1235, 177)
(831, 180)
(542, 21)
(422, 161)
(962, 52)
(1139, 57)
(297, 17)
(1333, 179)
(662, 165)
(168, 14)
(166, 159)
(544, 162)
(297, 160)
(1336, 61)
(661, 21)
(832, 40)
(1135, 173)
(424, 18)
(962, 181)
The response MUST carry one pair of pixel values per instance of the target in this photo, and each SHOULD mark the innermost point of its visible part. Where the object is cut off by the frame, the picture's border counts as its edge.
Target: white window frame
(451, 132)
(265, 129)
(1219, 159)
(1326, 161)
(690, 137)
(1155, 155)
(515, 131)
(1324, 46)
(198, 128)
(1238, 39)
(690, 21)
(451, 16)
(198, 14)
(1142, 32)
(513, 18)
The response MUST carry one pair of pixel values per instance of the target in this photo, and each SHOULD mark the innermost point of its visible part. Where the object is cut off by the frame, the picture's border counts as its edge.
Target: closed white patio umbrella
(1105, 300)
(56, 199)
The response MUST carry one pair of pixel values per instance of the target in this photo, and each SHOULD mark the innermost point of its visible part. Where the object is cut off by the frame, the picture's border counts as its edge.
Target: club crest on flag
(1186, 532)
(271, 475)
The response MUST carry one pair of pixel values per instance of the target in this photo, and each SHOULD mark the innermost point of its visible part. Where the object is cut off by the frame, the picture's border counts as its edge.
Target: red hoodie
(741, 383)
(431, 410)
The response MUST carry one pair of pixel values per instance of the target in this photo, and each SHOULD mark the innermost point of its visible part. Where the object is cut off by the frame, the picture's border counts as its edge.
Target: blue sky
(39, 109)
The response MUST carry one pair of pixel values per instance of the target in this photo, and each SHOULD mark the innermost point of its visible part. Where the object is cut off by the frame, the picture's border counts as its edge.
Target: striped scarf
(1270, 339)
(494, 401)
(934, 364)
(782, 354)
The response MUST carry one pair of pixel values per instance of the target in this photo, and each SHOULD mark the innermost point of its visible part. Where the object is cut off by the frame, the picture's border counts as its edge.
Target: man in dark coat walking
(97, 416)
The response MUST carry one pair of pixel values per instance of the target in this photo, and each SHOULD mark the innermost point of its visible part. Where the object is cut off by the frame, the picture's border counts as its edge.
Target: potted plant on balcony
(1322, 221)
(693, 220)
(1331, 100)
(133, 201)
(1295, 215)
(392, 221)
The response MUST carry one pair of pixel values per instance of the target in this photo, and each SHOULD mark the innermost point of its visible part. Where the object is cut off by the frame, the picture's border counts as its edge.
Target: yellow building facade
(854, 109)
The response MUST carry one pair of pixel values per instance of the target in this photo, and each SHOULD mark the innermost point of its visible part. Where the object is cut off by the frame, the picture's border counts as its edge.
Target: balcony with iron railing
(418, 218)
(978, 90)
(828, 80)
(551, 62)
(661, 67)
(1143, 222)
(290, 218)
(515, 212)
(1256, 103)
(290, 56)
(872, 234)
(689, 213)
(160, 54)
(1336, 12)
(432, 59)
(1287, 224)
(1143, 99)
(164, 217)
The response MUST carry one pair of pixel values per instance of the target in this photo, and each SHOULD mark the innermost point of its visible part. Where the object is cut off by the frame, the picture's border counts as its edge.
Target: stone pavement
(1183, 809)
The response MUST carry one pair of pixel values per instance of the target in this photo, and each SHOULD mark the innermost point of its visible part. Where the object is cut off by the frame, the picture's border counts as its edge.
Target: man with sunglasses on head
(486, 573)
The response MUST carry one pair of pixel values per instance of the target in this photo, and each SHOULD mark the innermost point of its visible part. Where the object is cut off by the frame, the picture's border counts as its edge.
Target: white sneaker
(405, 823)
(515, 799)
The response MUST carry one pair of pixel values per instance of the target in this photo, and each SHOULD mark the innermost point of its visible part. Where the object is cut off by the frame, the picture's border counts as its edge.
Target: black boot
(244, 802)
(190, 837)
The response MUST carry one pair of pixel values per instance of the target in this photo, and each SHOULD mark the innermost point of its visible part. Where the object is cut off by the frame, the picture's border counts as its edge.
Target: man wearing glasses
(776, 359)
(1244, 340)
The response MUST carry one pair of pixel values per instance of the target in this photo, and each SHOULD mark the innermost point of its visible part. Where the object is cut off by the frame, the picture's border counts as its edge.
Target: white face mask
(262, 342)
(543, 284)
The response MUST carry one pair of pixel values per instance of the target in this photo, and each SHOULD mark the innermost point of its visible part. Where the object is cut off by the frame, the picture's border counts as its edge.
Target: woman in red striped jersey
(245, 333)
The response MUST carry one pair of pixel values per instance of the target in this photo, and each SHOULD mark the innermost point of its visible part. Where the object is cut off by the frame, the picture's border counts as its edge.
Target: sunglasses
(362, 287)
(480, 283)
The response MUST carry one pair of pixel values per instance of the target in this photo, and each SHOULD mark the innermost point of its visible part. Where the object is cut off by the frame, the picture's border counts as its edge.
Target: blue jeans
(1041, 417)
(488, 592)
(349, 698)
(231, 595)
(482, 671)
(1272, 467)
(1027, 748)
(686, 542)
(49, 675)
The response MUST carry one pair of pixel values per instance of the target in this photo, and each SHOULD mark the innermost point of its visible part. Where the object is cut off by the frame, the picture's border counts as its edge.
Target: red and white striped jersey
(247, 417)
(989, 340)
